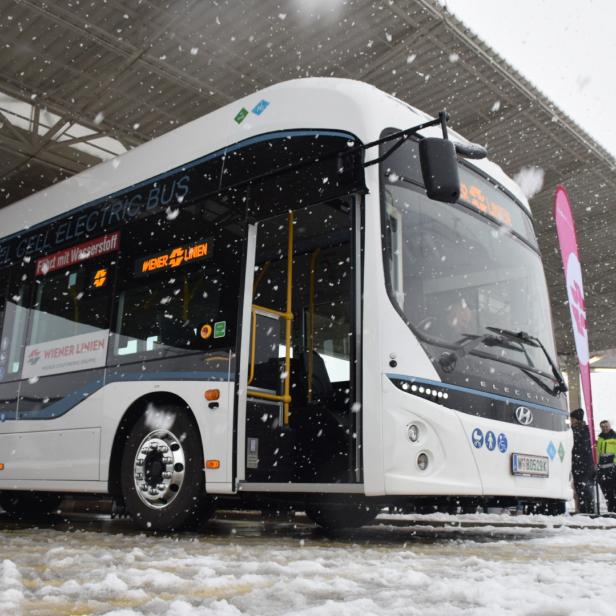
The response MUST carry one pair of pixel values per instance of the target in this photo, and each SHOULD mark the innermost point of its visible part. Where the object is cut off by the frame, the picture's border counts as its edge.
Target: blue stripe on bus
(476, 392)
(64, 405)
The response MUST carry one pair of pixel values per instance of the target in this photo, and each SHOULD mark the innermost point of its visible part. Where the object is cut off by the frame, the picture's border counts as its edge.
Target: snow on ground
(250, 568)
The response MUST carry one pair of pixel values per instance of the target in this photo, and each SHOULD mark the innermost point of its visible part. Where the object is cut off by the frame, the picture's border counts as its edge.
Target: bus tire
(162, 475)
(337, 516)
(29, 505)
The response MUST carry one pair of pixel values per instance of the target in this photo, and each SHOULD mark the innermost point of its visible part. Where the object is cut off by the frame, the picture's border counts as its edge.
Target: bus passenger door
(299, 401)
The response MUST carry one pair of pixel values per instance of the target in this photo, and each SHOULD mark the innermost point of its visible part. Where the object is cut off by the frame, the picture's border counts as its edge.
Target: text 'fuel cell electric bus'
(305, 297)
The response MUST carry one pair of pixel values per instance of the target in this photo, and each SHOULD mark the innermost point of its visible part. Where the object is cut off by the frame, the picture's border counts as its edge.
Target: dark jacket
(582, 464)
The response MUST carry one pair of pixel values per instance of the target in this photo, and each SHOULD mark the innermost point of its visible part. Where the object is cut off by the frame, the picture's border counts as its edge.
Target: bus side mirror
(439, 168)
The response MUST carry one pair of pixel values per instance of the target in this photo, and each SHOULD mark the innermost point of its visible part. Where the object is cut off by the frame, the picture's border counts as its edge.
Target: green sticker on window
(241, 114)
(220, 329)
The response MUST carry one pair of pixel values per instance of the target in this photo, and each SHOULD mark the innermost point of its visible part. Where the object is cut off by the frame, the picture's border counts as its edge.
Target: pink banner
(565, 228)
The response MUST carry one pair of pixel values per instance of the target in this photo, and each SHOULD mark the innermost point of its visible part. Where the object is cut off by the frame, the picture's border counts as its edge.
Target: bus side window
(4, 329)
(70, 303)
(178, 288)
(4, 283)
(167, 312)
(14, 321)
(393, 229)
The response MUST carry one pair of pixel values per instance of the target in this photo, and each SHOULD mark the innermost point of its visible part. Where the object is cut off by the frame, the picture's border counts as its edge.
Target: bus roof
(310, 103)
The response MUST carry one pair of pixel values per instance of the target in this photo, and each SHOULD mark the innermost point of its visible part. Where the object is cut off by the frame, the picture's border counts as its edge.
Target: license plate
(530, 466)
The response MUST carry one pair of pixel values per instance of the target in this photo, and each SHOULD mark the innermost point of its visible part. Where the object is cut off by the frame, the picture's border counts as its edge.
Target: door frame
(244, 356)
(357, 251)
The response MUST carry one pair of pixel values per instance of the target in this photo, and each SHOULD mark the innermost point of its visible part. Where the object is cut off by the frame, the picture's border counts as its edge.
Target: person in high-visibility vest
(606, 454)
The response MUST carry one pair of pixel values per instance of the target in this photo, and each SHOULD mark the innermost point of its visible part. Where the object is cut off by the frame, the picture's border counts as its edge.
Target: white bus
(247, 311)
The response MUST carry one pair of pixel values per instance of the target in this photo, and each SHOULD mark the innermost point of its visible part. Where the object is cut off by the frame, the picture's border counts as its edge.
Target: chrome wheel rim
(159, 469)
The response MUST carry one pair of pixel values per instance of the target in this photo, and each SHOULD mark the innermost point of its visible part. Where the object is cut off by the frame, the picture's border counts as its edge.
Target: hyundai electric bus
(316, 296)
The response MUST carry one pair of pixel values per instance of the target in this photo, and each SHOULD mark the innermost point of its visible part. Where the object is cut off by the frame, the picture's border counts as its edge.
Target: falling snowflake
(172, 214)
(530, 180)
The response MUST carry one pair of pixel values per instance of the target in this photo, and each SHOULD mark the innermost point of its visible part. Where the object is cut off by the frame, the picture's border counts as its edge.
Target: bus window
(4, 339)
(14, 320)
(70, 303)
(167, 312)
(330, 335)
(178, 291)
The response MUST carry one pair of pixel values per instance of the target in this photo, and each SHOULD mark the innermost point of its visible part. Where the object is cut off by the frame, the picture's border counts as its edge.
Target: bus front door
(301, 407)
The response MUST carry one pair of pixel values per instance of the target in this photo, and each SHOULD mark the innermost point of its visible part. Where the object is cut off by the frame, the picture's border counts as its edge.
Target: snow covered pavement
(251, 568)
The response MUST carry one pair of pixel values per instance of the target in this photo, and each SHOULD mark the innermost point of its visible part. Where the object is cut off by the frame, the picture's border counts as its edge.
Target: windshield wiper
(534, 342)
(448, 359)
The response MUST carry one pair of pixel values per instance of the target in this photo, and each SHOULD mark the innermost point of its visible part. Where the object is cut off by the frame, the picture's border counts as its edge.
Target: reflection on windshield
(453, 273)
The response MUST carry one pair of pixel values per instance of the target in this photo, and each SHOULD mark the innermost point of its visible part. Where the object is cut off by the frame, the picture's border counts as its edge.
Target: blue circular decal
(477, 437)
(490, 440)
(502, 442)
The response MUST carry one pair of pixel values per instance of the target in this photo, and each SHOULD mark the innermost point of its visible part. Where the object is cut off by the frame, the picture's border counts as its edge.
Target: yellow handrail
(284, 315)
(287, 315)
(253, 345)
(253, 337)
(267, 396)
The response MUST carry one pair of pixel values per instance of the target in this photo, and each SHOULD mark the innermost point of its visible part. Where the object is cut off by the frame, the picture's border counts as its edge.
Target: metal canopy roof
(83, 80)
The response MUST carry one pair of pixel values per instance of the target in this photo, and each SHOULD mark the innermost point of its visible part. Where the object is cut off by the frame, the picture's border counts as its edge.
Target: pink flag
(565, 228)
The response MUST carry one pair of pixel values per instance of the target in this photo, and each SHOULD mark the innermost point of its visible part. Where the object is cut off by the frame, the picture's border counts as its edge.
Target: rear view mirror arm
(466, 150)
(401, 136)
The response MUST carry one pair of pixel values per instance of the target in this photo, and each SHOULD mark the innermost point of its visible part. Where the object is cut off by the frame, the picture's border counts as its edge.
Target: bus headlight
(422, 461)
(413, 433)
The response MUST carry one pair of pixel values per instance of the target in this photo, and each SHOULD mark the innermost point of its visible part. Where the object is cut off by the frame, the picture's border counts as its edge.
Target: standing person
(582, 463)
(606, 452)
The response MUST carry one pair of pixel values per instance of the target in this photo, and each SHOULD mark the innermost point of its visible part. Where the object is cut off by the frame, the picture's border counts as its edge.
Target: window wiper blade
(535, 342)
(448, 359)
(523, 336)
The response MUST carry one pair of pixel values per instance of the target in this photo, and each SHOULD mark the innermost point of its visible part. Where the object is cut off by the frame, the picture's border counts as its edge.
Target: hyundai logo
(524, 415)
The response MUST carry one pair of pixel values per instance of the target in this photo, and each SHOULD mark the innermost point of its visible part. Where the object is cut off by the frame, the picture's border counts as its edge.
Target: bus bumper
(457, 463)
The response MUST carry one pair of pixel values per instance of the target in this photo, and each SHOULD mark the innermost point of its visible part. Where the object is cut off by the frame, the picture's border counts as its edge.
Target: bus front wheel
(163, 480)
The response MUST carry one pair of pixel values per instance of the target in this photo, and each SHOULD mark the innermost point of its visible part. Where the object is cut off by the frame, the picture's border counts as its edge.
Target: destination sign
(486, 198)
(174, 257)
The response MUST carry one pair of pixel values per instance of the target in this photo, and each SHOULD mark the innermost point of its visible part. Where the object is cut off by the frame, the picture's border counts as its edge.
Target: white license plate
(530, 466)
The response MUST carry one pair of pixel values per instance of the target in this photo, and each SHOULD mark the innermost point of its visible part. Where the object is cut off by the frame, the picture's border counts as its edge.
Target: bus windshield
(455, 272)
